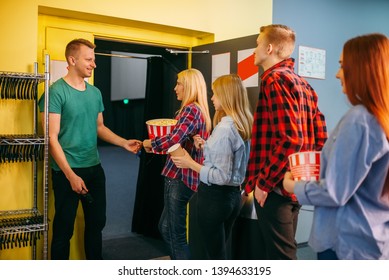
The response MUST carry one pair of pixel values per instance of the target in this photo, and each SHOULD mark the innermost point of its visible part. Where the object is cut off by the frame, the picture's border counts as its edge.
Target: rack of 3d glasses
(24, 227)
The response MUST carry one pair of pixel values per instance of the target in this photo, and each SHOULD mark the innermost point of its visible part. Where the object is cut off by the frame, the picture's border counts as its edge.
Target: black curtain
(160, 102)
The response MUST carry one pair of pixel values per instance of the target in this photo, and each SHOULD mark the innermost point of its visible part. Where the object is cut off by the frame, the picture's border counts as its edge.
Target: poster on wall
(247, 71)
(220, 65)
(59, 69)
(312, 62)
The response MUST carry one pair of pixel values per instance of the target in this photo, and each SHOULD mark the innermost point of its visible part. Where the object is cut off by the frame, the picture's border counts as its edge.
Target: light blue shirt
(225, 155)
(351, 217)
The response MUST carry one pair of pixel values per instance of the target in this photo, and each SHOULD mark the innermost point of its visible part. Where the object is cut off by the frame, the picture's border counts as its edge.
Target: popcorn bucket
(160, 127)
(305, 166)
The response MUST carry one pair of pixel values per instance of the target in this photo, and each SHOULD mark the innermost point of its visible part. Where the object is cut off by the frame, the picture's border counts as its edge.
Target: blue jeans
(172, 223)
(66, 203)
(217, 209)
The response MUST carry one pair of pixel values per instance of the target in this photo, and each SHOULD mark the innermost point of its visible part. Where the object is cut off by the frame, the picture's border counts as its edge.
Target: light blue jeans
(172, 223)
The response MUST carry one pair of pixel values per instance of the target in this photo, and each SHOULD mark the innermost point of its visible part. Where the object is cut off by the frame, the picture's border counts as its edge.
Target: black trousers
(217, 209)
(66, 203)
(277, 222)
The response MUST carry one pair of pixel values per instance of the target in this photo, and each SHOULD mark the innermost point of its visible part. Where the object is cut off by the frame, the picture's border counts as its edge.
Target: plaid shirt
(287, 120)
(190, 122)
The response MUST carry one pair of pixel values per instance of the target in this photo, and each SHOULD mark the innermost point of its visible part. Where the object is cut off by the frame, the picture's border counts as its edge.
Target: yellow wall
(24, 28)
(226, 19)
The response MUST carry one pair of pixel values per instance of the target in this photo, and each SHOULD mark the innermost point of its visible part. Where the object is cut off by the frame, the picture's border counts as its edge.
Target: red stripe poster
(247, 71)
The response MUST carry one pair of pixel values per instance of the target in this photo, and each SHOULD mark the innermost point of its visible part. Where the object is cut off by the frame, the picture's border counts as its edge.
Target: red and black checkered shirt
(287, 120)
(190, 122)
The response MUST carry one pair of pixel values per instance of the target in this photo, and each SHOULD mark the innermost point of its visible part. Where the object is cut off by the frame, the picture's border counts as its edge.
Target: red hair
(366, 77)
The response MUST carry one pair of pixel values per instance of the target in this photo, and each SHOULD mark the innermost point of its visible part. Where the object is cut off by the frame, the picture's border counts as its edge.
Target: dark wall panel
(203, 62)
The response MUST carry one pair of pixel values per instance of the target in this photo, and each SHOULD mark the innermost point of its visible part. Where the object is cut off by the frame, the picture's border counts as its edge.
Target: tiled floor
(304, 252)
(142, 248)
(136, 247)
(120, 203)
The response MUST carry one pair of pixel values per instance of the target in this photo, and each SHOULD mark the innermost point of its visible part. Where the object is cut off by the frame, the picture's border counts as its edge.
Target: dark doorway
(125, 119)
(134, 183)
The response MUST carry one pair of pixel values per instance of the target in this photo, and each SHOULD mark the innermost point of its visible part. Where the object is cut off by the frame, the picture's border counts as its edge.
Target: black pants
(66, 204)
(217, 209)
(277, 222)
(327, 255)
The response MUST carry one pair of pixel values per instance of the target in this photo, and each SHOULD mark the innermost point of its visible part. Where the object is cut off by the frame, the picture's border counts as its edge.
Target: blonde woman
(226, 154)
(180, 184)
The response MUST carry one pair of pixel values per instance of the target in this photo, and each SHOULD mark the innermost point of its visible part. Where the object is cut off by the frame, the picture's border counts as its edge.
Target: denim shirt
(225, 155)
(351, 216)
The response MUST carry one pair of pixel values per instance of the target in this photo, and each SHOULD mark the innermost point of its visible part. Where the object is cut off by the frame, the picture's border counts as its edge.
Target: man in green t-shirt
(75, 122)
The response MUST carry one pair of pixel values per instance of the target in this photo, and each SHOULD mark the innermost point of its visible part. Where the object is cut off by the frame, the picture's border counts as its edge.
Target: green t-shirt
(78, 129)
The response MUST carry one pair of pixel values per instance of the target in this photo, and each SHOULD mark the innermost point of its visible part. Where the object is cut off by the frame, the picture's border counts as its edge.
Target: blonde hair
(281, 37)
(232, 95)
(73, 46)
(195, 91)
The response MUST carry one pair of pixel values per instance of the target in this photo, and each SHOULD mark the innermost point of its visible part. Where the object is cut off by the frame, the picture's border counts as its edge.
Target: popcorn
(162, 122)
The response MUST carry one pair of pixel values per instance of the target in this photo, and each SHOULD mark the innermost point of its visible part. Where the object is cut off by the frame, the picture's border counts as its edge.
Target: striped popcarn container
(160, 127)
(305, 166)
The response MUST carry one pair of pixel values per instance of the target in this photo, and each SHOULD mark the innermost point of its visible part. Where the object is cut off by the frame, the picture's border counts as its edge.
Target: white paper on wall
(312, 62)
(58, 69)
(220, 65)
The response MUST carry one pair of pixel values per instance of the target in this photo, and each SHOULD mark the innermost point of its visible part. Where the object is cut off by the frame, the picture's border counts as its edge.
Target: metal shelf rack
(24, 227)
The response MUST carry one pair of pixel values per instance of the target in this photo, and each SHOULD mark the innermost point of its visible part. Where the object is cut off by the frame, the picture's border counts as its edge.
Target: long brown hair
(366, 77)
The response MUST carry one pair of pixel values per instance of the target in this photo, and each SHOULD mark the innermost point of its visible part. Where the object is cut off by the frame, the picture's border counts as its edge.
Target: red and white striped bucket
(305, 166)
(160, 127)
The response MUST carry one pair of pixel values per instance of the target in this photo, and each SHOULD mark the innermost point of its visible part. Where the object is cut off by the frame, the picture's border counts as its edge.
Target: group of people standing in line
(243, 152)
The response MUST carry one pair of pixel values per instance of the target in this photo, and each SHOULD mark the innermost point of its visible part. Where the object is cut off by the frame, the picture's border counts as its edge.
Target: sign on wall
(220, 65)
(312, 62)
(58, 70)
(247, 71)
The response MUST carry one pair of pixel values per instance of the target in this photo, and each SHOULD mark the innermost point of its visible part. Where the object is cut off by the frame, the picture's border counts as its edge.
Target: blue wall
(328, 24)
